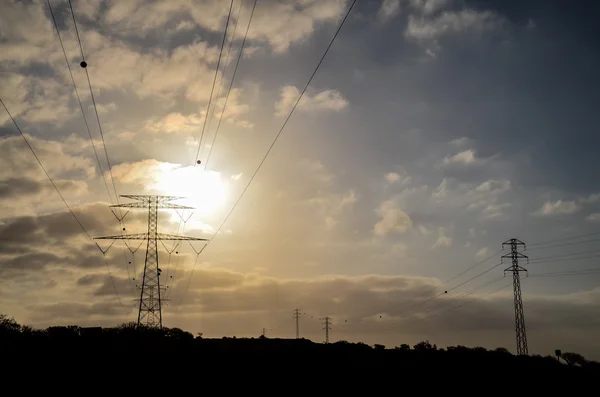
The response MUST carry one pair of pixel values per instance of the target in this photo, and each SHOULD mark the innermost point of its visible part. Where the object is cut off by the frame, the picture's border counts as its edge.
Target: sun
(204, 190)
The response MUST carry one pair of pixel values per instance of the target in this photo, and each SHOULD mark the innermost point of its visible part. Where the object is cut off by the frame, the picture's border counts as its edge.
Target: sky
(434, 131)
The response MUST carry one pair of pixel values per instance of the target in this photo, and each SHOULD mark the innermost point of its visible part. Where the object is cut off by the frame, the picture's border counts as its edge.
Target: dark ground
(170, 353)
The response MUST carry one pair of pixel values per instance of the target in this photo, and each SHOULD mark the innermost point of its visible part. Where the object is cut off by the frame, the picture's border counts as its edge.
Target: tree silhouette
(574, 358)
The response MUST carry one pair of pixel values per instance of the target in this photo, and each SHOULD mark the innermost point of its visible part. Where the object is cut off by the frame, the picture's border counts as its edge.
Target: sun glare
(203, 190)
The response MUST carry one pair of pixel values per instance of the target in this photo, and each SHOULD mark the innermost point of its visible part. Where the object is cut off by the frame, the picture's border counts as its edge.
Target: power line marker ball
(83, 64)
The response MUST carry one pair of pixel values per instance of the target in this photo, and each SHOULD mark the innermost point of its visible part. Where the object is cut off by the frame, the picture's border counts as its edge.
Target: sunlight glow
(204, 190)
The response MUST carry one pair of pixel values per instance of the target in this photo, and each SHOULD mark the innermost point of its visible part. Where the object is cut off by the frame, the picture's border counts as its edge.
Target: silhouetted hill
(74, 344)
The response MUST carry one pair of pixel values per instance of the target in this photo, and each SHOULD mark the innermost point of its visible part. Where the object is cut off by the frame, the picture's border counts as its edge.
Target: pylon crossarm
(177, 237)
(146, 198)
(119, 218)
(133, 251)
(174, 247)
(194, 248)
(136, 236)
(106, 250)
(143, 205)
(183, 219)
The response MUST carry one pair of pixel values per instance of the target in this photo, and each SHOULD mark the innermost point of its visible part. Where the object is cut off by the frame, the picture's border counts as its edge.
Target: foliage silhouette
(127, 340)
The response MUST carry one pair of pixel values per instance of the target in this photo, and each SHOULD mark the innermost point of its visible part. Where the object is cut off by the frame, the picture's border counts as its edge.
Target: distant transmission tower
(515, 268)
(264, 332)
(297, 315)
(150, 306)
(327, 327)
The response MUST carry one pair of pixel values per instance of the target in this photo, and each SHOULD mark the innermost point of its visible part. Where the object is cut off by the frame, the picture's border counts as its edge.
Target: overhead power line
(595, 270)
(230, 85)
(278, 134)
(84, 66)
(473, 267)
(564, 239)
(87, 126)
(60, 195)
(565, 259)
(563, 255)
(566, 244)
(214, 81)
(225, 66)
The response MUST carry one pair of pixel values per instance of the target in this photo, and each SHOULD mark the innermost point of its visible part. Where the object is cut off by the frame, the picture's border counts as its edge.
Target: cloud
(466, 157)
(234, 111)
(324, 100)
(595, 217)
(461, 142)
(423, 28)
(333, 203)
(397, 178)
(429, 6)
(388, 10)
(591, 199)
(442, 241)
(317, 170)
(392, 219)
(558, 207)
(330, 222)
(176, 123)
(280, 24)
(145, 172)
(482, 252)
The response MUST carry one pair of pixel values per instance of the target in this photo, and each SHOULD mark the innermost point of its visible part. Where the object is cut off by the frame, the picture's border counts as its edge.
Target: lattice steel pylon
(326, 327)
(150, 305)
(296, 316)
(515, 268)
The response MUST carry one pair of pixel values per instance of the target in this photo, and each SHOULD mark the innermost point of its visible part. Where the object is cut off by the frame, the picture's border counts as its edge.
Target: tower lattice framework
(150, 303)
(515, 268)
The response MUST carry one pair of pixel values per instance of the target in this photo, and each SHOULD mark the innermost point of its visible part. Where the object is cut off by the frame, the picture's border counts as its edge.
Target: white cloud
(443, 241)
(280, 24)
(234, 111)
(176, 123)
(388, 10)
(494, 187)
(397, 178)
(429, 6)
(495, 210)
(461, 142)
(466, 157)
(424, 231)
(324, 100)
(451, 22)
(591, 199)
(558, 207)
(482, 252)
(441, 191)
(236, 177)
(392, 177)
(595, 217)
(392, 219)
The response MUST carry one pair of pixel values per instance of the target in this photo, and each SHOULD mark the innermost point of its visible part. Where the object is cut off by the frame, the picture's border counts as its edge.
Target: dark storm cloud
(107, 288)
(28, 262)
(16, 186)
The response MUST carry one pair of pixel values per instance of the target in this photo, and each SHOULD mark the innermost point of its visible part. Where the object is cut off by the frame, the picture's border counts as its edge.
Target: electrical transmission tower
(327, 327)
(297, 315)
(150, 306)
(264, 332)
(515, 268)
